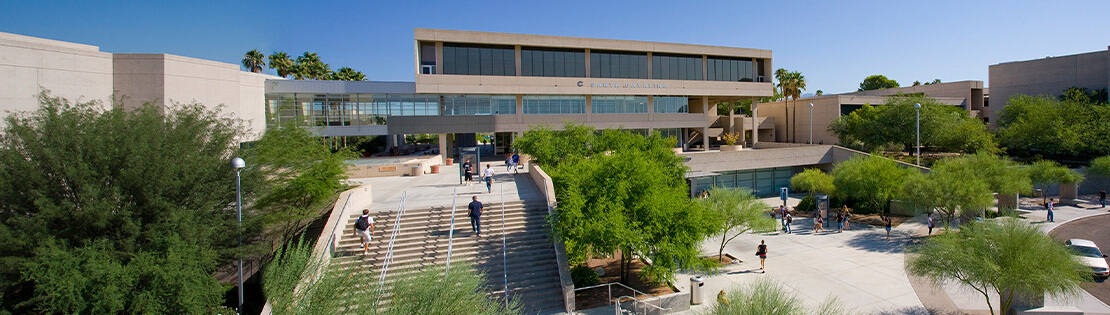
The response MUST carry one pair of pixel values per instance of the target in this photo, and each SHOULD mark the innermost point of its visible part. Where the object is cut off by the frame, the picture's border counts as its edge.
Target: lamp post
(810, 123)
(238, 164)
(917, 108)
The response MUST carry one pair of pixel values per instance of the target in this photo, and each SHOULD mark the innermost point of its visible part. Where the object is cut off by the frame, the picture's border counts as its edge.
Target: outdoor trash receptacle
(417, 170)
(696, 296)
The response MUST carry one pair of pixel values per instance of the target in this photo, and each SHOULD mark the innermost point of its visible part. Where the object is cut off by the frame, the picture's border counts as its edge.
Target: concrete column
(682, 136)
(589, 107)
(1069, 193)
(390, 141)
(651, 109)
(755, 122)
(519, 109)
(439, 58)
(649, 65)
(705, 138)
(443, 146)
(693, 187)
(704, 68)
(517, 54)
(1007, 201)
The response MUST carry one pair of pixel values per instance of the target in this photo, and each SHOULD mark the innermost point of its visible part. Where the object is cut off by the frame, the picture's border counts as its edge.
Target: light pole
(238, 164)
(810, 123)
(917, 108)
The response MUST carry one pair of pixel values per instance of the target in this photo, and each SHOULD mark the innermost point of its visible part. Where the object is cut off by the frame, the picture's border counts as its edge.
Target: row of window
(466, 59)
(762, 182)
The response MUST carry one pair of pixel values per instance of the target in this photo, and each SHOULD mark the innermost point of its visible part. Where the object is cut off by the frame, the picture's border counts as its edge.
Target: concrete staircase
(422, 241)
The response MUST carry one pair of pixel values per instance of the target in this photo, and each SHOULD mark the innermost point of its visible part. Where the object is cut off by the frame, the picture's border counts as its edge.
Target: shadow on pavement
(916, 310)
(877, 242)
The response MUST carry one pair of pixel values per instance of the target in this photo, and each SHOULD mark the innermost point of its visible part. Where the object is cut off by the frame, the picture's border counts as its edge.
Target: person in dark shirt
(761, 251)
(1102, 197)
(475, 215)
(468, 172)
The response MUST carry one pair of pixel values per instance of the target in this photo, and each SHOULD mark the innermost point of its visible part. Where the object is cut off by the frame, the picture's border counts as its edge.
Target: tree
(877, 82)
(738, 212)
(792, 83)
(916, 83)
(280, 62)
(1100, 166)
(819, 93)
(254, 61)
(1005, 256)
(765, 296)
(873, 179)
(948, 192)
(114, 211)
(1083, 95)
(1043, 126)
(1044, 173)
(347, 74)
(813, 181)
(311, 67)
(945, 127)
(1002, 175)
(621, 191)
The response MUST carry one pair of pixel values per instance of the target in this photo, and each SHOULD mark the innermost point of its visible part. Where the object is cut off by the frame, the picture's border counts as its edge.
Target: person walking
(817, 221)
(508, 162)
(364, 228)
(1051, 207)
(488, 176)
(847, 215)
(468, 173)
(930, 217)
(761, 251)
(1102, 197)
(888, 224)
(516, 163)
(782, 216)
(840, 222)
(789, 219)
(475, 215)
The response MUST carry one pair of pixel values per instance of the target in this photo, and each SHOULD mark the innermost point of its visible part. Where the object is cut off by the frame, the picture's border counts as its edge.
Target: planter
(727, 148)
(450, 161)
(435, 169)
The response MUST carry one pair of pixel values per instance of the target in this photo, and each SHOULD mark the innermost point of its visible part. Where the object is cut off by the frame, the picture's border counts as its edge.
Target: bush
(583, 276)
(807, 204)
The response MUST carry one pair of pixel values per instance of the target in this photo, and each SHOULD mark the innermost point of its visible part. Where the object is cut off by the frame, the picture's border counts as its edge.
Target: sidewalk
(437, 190)
(859, 266)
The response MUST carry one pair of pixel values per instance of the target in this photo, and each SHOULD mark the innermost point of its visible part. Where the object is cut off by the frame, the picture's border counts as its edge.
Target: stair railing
(389, 251)
(643, 306)
(609, 287)
(504, 263)
(451, 233)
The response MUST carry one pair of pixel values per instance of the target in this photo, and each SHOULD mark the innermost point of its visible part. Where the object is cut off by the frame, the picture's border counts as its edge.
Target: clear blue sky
(835, 44)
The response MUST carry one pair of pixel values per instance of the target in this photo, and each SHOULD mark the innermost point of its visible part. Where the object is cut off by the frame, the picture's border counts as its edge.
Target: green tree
(1044, 173)
(1043, 126)
(347, 74)
(280, 62)
(738, 211)
(1077, 94)
(254, 61)
(877, 82)
(1002, 175)
(946, 127)
(872, 179)
(820, 92)
(947, 192)
(311, 67)
(792, 84)
(621, 191)
(114, 211)
(1100, 166)
(1004, 256)
(813, 181)
(768, 297)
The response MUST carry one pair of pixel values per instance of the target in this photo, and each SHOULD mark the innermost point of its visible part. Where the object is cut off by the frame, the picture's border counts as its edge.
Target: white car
(1090, 255)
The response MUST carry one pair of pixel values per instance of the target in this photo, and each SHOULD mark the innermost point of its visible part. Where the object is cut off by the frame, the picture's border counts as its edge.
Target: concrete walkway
(860, 266)
(437, 190)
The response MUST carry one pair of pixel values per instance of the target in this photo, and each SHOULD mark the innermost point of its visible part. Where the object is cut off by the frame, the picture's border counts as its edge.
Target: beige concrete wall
(73, 71)
(971, 91)
(790, 117)
(1048, 76)
(714, 161)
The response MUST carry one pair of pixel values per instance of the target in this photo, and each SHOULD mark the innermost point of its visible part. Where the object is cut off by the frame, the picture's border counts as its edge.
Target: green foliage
(583, 276)
(1077, 94)
(948, 192)
(737, 211)
(280, 62)
(1041, 125)
(114, 211)
(894, 124)
(768, 297)
(1001, 256)
(308, 66)
(1100, 166)
(877, 82)
(1044, 173)
(254, 61)
(872, 179)
(296, 282)
(808, 203)
(791, 83)
(813, 181)
(620, 191)
(1002, 175)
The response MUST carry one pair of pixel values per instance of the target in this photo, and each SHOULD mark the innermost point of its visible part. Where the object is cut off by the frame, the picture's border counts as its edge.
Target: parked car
(1090, 255)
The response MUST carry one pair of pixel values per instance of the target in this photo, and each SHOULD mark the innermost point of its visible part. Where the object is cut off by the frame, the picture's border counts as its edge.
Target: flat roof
(455, 36)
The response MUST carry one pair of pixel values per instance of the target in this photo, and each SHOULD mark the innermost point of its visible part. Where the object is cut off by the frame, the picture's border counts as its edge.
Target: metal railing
(609, 287)
(331, 239)
(644, 305)
(504, 253)
(389, 251)
(451, 233)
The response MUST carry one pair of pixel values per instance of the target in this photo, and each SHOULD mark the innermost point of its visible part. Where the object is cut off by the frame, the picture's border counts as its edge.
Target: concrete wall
(547, 187)
(73, 71)
(970, 91)
(714, 161)
(1048, 76)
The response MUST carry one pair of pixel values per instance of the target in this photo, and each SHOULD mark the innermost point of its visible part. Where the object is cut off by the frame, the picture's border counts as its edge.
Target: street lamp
(238, 164)
(810, 123)
(917, 108)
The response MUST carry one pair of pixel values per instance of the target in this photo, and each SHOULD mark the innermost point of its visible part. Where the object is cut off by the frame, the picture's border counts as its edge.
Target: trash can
(417, 170)
(696, 296)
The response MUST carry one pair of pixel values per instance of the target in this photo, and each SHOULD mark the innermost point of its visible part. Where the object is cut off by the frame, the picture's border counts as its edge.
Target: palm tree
(254, 61)
(348, 74)
(793, 83)
(820, 92)
(312, 67)
(280, 61)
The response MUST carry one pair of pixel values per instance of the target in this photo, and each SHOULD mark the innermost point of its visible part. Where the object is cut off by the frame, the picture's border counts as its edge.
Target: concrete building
(1047, 76)
(83, 73)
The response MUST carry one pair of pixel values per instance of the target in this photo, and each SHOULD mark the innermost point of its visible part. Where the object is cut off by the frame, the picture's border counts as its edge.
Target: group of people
(818, 221)
(364, 225)
(468, 175)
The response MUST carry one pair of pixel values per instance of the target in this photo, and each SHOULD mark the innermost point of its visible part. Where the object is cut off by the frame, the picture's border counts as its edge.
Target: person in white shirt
(488, 175)
(364, 226)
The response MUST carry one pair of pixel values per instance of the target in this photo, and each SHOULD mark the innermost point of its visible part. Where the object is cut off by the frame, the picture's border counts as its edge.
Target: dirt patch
(876, 220)
(598, 297)
(722, 260)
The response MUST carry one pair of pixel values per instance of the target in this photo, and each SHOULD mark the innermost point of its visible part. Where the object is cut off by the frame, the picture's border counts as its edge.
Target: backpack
(363, 223)
(789, 220)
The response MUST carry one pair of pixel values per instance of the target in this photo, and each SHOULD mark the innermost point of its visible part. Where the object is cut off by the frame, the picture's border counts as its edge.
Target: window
(675, 67)
(671, 104)
(465, 105)
(554, 104)
(620, 65)
(619, 104)
(479, 59)
(730, 69)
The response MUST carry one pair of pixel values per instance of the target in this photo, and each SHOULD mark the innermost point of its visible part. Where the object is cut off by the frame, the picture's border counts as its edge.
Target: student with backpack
(475, 215)
(789, 219)
(364, 227)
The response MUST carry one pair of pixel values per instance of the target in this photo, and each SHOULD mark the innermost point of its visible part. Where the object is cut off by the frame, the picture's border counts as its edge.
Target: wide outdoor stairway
(422, 241)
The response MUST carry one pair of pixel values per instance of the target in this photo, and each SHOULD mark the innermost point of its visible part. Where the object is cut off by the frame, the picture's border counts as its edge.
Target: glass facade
(619, 104)
(479, 59)
(374, 109)
(463, 105)
(763, 182)
(554, 104)
(547, 62)
(671, 104)
(619, 65)
(730, 69)
(676, 67)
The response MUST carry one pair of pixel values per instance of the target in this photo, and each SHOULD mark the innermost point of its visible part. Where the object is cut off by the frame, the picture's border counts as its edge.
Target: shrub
(583, 276)
(807, 204)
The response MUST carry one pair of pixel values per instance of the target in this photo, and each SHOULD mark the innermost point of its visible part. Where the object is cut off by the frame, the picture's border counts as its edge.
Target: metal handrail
(609, 287)
(504, 263)
(451, 233)
(331, 239)
(389, 252)
(617, 304)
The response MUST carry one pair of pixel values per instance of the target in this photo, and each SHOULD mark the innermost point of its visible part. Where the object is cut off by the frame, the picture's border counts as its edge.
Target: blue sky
(835, 44)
